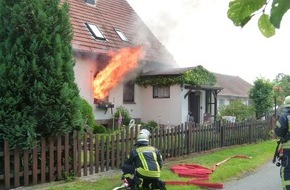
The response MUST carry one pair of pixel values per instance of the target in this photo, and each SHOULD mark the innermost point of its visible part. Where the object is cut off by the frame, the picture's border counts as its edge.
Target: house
(234, 88)
(101, 27)
(189, 95)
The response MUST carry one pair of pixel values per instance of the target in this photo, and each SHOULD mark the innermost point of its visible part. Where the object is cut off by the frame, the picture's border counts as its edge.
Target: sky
(198, 32)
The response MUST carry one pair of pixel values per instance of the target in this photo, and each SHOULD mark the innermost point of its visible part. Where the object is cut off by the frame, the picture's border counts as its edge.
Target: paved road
(265, 178)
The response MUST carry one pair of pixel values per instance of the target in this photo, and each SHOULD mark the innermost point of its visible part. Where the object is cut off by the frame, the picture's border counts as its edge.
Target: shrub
(87, 113)
(99, 129)
(38, 93)
(150, 125)
(124, 113)
(237, 109)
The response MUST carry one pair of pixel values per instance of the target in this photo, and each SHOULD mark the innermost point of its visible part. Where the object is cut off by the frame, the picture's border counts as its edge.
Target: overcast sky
(198, 32)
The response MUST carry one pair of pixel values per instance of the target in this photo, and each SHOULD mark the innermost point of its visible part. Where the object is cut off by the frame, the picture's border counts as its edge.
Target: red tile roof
(108, 15)
(233, 85)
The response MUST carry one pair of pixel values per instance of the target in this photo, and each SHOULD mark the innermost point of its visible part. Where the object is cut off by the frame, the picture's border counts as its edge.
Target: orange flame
(120, 64)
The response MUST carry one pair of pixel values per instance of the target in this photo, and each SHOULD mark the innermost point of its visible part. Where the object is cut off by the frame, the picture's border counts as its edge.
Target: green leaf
(279, 8)
(265, 26)
(241, 11)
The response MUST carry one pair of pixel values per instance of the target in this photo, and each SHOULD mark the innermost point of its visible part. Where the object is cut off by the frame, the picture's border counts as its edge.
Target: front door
(194, 105)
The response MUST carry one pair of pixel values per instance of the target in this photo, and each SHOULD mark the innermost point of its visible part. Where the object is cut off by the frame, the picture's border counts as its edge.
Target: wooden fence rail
(84, 154)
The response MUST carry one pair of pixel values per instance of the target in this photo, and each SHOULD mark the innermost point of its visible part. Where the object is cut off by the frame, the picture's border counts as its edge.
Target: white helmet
(145, 131)
(142, 137)
(287, 102)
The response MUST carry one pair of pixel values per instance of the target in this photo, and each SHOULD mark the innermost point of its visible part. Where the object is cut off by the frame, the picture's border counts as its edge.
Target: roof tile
(233, 85)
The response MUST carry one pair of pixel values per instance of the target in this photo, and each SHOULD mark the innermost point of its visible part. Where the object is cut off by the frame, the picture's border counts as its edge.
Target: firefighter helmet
(145, 131)
(287, 102)
(142, 137)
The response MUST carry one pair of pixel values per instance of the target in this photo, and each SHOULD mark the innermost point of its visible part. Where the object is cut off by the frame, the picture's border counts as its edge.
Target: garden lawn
(260, 153)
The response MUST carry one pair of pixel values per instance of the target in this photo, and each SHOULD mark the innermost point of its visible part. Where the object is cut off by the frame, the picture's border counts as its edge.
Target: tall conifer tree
(38, 95)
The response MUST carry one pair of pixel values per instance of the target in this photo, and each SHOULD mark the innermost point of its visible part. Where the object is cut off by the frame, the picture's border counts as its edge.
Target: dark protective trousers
(134, 181)
(285, 168)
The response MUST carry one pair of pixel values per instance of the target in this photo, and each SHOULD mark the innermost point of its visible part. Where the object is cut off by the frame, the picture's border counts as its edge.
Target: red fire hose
(200, 174)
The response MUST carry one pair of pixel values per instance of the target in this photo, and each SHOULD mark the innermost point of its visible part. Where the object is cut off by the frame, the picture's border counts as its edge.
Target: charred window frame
(161, 91)
(129, 92)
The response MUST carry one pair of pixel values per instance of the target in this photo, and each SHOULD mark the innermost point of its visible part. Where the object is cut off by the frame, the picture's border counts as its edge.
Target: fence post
(250, 132)
(74, 151)
(16, 168)
(51, 160)
(6, 165)
(222, 133)
(43, 160)
(187, 138)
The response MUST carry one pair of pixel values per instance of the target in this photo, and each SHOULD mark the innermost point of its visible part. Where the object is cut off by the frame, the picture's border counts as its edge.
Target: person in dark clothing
(282, 130)
(143, 165)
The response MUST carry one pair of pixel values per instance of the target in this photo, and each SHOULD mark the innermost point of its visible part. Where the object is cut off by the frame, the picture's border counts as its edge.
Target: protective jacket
(146, 159)
(282, 128)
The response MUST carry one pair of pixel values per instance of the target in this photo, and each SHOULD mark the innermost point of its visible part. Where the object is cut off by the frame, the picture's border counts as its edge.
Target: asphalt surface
(265, 178)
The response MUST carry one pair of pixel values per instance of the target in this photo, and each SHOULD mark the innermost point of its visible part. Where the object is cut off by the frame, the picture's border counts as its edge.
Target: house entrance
(194, 105)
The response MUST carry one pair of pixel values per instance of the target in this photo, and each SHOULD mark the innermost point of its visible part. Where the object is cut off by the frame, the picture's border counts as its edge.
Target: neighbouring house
(101, 27)
(234, 88)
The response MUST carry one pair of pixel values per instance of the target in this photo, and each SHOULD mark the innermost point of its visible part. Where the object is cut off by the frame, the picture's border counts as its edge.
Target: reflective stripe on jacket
(147, 160)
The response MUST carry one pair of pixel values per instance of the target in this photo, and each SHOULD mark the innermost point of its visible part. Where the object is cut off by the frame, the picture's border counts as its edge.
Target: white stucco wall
(116, 96)
(84, 73)
(162, 110)
(184, 106)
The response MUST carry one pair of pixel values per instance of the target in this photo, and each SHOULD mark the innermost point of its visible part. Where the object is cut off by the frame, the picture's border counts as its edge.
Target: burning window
(95, 31)
(161, 92)
(103, 104)
(119, 65)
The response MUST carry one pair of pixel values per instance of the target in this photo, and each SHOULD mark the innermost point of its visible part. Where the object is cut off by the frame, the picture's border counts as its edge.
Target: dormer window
(121, 35)
(92, 2)
(95, 31)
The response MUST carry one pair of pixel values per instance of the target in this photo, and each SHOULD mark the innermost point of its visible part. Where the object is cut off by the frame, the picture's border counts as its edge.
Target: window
(95, 31)
(161, 92)
(121, 35)
(92, 2)
(128, 92)
(221, 102)
(231, 100)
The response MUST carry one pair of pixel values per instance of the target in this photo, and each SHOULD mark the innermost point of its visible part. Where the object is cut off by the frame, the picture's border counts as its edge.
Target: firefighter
(282, 130)
(143, 165)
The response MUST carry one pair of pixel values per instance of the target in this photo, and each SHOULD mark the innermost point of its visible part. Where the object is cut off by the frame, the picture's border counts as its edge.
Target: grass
(260, 153)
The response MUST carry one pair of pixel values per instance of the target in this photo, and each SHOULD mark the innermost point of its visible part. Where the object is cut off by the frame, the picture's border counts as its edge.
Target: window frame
(129, 88)
(121, 34)
(95, 31)
(162, 92)
(90, 2)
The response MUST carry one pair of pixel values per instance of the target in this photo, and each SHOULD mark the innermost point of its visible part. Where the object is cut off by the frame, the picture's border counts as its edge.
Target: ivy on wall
(195, 76)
